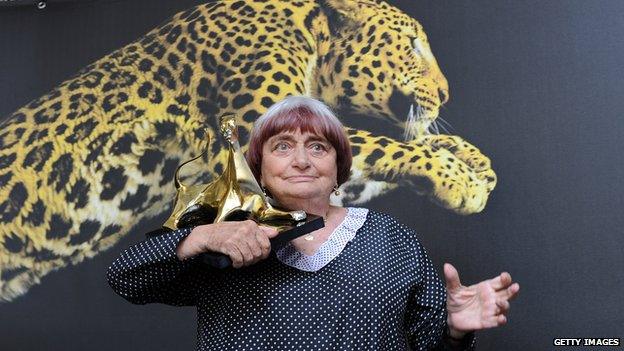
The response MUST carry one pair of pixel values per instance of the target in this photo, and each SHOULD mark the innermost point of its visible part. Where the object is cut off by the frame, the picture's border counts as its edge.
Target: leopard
(85, 164)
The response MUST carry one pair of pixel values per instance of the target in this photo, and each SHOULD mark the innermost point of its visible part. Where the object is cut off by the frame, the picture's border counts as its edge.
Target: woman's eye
(317, 148)
(281, 147)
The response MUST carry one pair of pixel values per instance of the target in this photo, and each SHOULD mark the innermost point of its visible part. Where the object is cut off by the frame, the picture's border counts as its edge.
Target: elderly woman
(363, 282)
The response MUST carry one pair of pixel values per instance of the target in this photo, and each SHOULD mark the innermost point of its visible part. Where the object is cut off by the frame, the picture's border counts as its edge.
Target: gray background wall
(536, 85)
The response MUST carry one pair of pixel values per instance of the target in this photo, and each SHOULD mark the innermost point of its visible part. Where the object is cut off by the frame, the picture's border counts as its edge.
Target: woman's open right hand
(244, 242)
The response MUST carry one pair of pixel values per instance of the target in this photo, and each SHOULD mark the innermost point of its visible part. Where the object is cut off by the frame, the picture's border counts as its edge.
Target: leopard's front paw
(456, 174)
(468, 154)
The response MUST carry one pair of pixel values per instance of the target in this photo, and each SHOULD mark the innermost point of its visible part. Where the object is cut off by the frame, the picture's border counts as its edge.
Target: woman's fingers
(235, 255)
(510, 292)
(269, 231)
(246, 243)
(265, 245)
(451, 276)
(501, 319)
(494, 320)
(501, 282)
(245, 251)
(254, 246)
(513, 291)
(503, 306)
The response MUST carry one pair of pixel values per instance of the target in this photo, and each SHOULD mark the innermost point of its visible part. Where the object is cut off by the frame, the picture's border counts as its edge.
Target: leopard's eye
(416, 45)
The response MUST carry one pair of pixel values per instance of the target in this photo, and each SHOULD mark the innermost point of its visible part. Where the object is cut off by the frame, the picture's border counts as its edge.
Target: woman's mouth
(300, 178)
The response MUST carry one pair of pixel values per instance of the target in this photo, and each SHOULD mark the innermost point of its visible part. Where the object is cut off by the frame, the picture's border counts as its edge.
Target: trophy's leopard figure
(80, 166)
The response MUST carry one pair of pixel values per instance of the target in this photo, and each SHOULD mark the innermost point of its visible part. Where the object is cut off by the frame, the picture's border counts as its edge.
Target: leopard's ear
(352, 8)
(344, 15)
(344, 7)
(340, 15)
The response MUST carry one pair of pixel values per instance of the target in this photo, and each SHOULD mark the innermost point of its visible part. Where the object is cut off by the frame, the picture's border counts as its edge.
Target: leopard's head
(378, 63)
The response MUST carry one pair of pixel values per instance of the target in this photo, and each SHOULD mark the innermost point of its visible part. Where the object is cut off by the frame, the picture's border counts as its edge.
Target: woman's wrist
(455, 334)
(182, 249)
(452, 332)
(189, 246)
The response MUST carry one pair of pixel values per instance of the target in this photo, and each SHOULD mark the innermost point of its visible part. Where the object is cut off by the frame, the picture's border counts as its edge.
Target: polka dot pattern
(381, 292)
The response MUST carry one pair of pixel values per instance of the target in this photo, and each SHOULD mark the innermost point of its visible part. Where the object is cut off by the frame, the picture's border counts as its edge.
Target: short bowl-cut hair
(307, 115)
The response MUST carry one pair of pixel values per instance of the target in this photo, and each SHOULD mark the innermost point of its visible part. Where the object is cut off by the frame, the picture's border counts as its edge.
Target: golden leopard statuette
(234, 195)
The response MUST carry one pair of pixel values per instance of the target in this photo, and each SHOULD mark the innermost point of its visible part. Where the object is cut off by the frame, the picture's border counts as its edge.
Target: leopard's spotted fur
(81, 165)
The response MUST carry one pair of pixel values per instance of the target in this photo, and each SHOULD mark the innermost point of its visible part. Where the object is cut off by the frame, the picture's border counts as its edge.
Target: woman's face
(298, 166)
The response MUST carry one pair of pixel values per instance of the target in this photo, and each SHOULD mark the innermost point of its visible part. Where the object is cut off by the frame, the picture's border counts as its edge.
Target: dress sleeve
(425, 318)
(150, 272)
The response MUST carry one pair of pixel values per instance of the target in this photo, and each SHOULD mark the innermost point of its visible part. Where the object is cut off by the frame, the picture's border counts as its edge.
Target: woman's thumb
(270, 232)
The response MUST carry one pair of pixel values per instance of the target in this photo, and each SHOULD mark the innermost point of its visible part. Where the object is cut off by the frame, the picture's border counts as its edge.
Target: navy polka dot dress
(371, 286)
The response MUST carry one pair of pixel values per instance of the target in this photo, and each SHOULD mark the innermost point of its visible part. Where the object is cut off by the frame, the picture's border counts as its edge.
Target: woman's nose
(301, 159)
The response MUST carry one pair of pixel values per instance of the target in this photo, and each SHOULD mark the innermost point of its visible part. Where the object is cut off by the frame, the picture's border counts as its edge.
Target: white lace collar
(330, 249)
